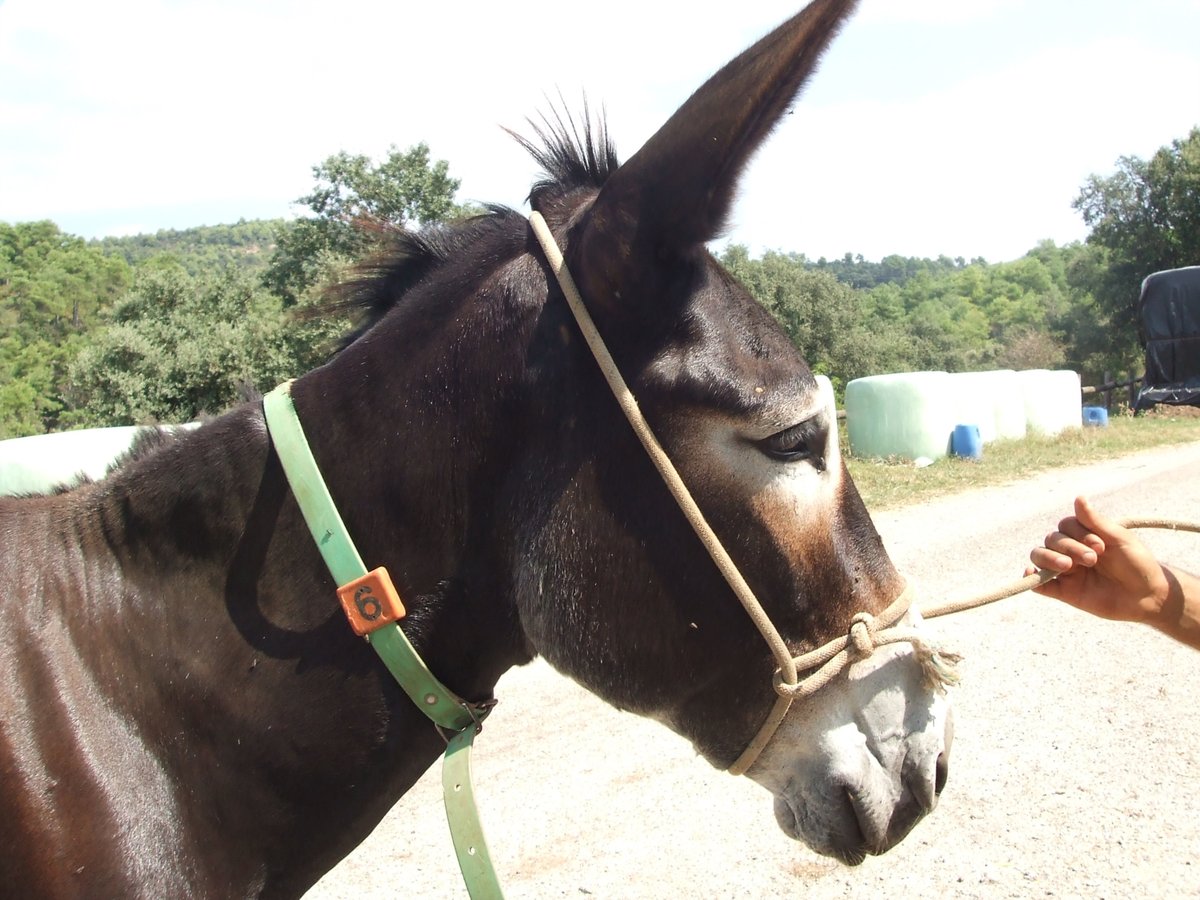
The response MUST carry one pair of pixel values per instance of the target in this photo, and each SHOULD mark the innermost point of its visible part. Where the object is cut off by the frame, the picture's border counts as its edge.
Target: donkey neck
(307, 742)
(416, 428)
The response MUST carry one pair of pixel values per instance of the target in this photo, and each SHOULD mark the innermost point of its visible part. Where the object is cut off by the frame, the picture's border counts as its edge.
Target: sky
(956, 127)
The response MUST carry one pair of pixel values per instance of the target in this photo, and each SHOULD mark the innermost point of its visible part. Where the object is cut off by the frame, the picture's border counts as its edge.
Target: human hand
(1103, 568)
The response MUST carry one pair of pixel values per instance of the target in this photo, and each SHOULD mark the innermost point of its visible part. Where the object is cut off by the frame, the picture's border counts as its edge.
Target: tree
(204, 249)
(178, 347)
(354, 194)
(948, 331)
(863, 274)
(1146, 217)
(30, 374)
(53, 283)
(53, 287)
(830, 322)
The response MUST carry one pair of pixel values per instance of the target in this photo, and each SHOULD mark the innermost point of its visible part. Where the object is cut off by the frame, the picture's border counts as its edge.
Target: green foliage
(219, 309)
(199, 327)
(864, 274)
(207, 249)
(1096, 344)
(353, 199)
(1145, 217)
(179, 347)
(53, 288)
(828, 321)
(29, 383)
(918, 314)
(1071, 306)
(404, 188)
(53, 284)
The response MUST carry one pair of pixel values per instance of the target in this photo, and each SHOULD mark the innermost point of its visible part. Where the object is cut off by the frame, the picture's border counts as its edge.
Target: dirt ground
(1074, 771)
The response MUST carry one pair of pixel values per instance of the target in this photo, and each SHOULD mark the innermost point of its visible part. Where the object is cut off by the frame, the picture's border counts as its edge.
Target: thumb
(1108, 529)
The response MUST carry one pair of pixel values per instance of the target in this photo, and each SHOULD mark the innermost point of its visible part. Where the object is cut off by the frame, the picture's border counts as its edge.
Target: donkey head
(639, 613)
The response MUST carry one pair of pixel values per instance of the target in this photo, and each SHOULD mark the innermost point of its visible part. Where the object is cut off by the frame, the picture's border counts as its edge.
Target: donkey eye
(800, 443)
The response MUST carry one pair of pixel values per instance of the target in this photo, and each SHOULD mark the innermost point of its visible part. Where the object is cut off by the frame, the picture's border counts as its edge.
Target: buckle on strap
(477, 711)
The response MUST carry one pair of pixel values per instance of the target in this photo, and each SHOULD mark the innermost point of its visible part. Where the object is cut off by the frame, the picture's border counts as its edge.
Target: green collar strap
(446, 709)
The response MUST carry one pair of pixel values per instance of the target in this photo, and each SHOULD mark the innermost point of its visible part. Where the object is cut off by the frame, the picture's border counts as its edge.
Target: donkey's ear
(676, 192)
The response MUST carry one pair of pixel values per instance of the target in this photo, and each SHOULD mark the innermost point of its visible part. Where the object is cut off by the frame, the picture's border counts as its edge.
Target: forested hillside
(854, 317)
(169, 326)
(207, 248)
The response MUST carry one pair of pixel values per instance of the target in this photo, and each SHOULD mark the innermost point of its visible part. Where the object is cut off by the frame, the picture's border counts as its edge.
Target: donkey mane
(572, 157)
(403, 261)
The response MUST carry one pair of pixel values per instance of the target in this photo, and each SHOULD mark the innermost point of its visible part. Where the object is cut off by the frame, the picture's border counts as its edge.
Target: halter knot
(862, 635)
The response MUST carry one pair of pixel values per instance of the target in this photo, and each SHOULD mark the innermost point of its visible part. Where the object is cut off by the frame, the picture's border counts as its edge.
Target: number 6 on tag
(370, 602)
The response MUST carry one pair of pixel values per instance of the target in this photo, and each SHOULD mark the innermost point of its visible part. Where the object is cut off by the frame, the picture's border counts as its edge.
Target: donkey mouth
(843, 840)
(855, 829)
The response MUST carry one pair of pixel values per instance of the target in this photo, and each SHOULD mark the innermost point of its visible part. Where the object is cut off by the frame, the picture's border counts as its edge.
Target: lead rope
(1043, 575)
(866, 633)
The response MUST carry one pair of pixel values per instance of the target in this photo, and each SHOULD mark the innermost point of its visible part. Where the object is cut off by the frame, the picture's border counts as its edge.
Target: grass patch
(885, 484)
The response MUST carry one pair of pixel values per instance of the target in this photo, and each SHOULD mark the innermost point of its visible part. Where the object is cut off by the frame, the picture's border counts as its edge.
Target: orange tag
(371, 602)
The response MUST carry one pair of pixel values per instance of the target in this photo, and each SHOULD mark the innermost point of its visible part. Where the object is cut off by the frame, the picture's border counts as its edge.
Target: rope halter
(866, 632)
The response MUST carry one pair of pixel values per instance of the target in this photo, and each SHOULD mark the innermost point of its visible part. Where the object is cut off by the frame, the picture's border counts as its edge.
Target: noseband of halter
(866, 632)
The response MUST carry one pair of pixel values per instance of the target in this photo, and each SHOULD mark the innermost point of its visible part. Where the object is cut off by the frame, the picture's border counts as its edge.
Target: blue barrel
(1095, 416)
(966, 442)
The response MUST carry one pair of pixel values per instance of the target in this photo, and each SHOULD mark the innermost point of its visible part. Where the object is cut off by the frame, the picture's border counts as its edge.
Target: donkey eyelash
(800, 443)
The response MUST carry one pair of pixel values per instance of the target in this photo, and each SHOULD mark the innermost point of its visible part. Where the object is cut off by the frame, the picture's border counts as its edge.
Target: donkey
(185, 712)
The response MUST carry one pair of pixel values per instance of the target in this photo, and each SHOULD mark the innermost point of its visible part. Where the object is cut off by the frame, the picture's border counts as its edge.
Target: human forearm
(1179, 614)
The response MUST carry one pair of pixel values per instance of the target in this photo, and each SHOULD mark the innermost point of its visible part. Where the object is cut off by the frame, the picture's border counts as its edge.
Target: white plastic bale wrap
(40, 463)
(1011, 422)
(993, 401)
(908, 415)
(1052, 400)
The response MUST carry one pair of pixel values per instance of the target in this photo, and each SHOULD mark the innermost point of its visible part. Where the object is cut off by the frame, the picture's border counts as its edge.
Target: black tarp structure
(1169, 327)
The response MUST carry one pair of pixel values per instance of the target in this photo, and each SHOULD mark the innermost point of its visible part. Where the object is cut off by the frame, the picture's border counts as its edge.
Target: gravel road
(1074, 771)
